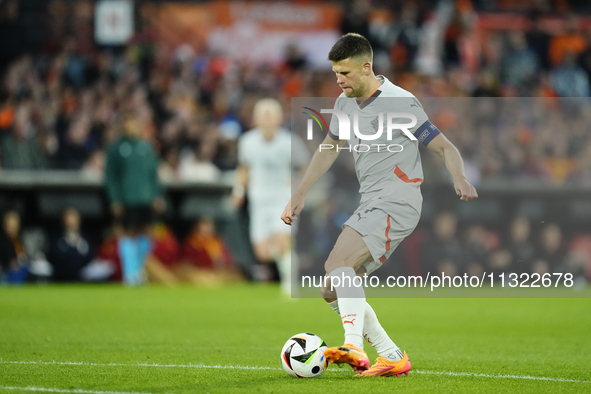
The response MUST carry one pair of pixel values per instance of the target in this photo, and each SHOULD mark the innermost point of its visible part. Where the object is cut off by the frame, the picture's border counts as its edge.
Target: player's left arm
(455, 165)
(240, 184)
(242, 173)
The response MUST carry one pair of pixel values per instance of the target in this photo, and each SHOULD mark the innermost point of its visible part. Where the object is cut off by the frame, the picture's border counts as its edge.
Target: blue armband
(426, 132)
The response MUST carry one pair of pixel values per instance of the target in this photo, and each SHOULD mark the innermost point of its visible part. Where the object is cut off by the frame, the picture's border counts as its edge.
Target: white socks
(351, 303)
(375, 334)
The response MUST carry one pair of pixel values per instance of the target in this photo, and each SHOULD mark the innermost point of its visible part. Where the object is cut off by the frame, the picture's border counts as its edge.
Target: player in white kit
(390, 174)
(264, 171)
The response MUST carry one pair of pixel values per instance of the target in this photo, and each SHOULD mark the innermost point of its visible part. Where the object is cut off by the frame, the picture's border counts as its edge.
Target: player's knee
(282, 242)
(264, 258)
(333, 262)
(262, 254)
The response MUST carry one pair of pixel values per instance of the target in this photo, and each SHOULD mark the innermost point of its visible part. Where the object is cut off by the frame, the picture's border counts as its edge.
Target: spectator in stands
(569, 79)
(226, 153)
(197, 166)
(559, 164)
(94, 167)
(206, 257)
(538, 40)
(135, 195)
(20, 148)
(451, 40)
(74, 152)
(478, 246)
(519, 246)
(169, 166)
(13, 31)
(71, 251)
(551, 254)
(7, 109)
(356, 20)
(164, 256)
(580, 257)
(445, 252)
(406, 34)
(572, 41)
(12, 251)
(584, 162)
(520, 65)
(75, 67)
(585, 58)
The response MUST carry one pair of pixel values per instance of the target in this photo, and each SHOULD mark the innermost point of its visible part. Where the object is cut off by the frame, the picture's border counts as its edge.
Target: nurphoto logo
(344, 125)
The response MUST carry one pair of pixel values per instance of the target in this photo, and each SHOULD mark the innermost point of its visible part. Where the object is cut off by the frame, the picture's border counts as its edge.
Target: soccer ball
(302, 356)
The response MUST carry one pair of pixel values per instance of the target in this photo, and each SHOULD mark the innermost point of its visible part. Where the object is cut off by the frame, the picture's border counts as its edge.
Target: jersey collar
(370, 99)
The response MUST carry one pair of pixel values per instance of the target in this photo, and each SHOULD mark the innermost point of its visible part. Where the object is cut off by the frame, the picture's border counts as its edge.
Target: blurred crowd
(59, 109)
(519, 139)
(66, 254)
(449, 245)
(63, 111)
(522, 248)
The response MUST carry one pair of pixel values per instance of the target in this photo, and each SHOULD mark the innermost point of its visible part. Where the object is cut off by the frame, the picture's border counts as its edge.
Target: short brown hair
(351, 45)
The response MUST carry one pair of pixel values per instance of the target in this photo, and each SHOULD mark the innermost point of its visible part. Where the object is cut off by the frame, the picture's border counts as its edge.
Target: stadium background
(191, 72)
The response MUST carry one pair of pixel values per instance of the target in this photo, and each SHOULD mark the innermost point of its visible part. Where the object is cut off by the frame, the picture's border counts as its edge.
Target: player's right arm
(321, 162)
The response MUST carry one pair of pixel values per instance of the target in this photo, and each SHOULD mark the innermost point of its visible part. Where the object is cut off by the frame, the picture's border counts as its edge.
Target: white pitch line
(83, 363)
(485, 375)
(246, 367)
(77, 391)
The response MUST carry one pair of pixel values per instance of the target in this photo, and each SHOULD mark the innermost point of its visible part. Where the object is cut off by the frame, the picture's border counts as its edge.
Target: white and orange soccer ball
(302, 356)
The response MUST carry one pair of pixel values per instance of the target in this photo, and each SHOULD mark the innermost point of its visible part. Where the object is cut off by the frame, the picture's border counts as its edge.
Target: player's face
(268, 120)
(351, 75)
(132, 128)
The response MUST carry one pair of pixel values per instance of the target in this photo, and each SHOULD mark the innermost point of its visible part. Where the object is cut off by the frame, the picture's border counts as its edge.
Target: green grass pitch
(107, 339)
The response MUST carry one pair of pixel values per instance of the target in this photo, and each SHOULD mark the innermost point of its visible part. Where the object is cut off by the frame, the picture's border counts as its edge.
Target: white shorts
(265, 221)
(383, 225)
